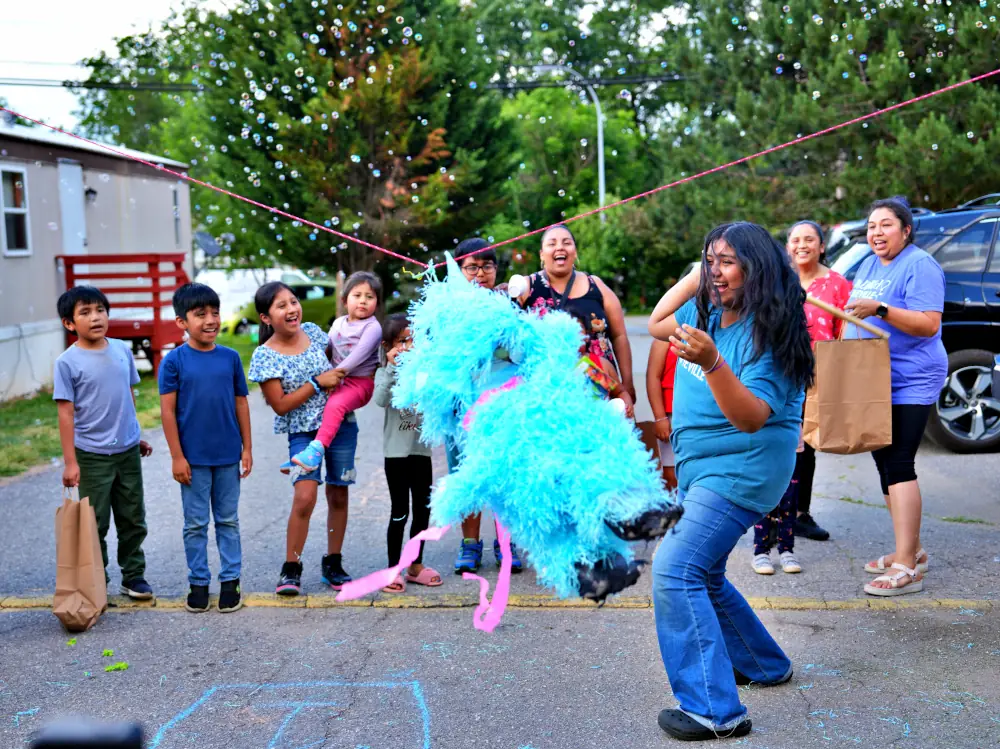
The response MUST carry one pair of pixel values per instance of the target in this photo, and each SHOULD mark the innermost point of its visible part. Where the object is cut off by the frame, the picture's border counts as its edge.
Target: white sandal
(914, 586)
(880, 567)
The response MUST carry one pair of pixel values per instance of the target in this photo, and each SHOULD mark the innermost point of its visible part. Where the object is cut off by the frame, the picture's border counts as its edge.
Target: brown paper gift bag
(81, 591)
(849, 407)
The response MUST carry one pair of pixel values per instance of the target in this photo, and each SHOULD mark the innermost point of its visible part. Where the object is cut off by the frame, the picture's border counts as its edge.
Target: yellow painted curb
(516, 601)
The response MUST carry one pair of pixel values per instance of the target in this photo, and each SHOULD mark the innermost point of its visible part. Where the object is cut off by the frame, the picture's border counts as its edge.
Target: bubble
(913, 75)
(407, 31)
(472, 84)
(299, 72)
(355, 158)
(834, 38)
(583, 142)
(735, 21)
(105, 178)
(816, 95)
(561, 193)
(730, 47)
(845, 75)
(786, 9)
(863, 58)
(781, 57)
(797, 66)
(306, 120)
(399, 19)
(934, 146)
(817, 19)
(779, 70)
(260, 94)
(376, 172)
(901, 53)
(314, 38)
(380, 8)
(290, 56)
(53, 226)
(970, 135)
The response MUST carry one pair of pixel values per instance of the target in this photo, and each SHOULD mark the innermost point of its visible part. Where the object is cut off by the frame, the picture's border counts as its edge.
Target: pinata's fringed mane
(554, 462)
(457, 330)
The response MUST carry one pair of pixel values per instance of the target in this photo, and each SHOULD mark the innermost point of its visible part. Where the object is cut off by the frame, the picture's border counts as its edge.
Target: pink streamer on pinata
(378, 580)
(488, 614)
(487, 396)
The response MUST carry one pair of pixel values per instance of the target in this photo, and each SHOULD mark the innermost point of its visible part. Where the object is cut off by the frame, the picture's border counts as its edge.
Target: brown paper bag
(81, 591)
(849, 407)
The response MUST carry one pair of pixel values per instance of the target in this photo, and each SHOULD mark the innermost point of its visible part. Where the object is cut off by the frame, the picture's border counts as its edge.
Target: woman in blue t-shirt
(901, 288)
(739, 330)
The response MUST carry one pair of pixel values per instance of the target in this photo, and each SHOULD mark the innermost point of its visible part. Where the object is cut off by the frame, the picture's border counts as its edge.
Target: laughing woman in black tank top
(559, 286)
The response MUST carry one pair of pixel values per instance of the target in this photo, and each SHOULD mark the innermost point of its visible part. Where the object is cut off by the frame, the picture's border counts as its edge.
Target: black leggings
(805, 470)
(895, 462)
(405, 476)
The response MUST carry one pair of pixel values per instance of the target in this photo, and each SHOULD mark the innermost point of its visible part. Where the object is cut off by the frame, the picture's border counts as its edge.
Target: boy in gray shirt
(99, 430)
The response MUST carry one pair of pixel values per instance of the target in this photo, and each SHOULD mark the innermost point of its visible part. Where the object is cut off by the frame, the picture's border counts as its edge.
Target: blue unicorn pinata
(562, 468)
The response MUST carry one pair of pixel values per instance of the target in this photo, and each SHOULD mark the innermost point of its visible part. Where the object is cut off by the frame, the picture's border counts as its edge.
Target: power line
(619, 81)
(45, 83)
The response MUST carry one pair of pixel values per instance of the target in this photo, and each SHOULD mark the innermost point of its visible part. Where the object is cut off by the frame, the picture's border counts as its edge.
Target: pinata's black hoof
(607, 577)
(651, 525)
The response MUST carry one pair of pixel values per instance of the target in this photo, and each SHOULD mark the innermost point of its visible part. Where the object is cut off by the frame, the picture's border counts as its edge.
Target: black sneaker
(197, 600)
(137, 589)
(682, 726)
(806, 527)
(290, 582)
(742, 680)
(334, 574)
(230, 599)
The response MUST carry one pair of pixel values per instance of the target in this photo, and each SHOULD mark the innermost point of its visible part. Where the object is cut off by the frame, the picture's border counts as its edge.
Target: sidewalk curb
(520, 601)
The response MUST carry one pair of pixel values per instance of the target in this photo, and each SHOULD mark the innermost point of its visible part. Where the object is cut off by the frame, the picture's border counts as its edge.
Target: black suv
(965, 242)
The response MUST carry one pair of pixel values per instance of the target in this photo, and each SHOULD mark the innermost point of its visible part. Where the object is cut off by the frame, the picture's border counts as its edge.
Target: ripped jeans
(339, 456)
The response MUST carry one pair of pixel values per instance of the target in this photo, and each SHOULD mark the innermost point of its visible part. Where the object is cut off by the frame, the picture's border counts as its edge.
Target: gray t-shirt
(401, 429)
(99, 385)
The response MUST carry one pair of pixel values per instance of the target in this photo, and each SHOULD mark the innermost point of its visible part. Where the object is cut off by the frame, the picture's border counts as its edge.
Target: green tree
(352, 117)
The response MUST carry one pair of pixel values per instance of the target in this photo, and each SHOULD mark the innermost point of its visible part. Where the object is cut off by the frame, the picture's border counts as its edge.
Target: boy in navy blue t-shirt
(206, 421)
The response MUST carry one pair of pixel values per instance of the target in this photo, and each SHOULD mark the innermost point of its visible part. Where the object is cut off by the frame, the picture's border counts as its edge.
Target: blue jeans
(704, 625)
(452, 455)
(339, 456)
(215, 491)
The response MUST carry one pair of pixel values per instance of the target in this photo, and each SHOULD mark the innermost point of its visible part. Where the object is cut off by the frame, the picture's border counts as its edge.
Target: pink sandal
(428, 576)
(396, 586)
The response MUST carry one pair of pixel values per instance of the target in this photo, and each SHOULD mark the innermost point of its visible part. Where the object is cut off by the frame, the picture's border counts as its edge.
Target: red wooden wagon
(149, 334)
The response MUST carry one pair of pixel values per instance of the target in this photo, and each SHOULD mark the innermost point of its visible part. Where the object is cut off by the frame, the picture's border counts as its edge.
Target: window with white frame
(15, 237)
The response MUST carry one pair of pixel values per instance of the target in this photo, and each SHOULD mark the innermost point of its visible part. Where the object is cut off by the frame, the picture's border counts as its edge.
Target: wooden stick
(847, 317)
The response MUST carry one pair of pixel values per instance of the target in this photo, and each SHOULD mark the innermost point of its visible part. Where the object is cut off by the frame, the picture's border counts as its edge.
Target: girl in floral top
(293, 368)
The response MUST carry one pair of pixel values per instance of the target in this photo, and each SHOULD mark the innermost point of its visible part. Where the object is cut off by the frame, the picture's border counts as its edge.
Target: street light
(600, 122)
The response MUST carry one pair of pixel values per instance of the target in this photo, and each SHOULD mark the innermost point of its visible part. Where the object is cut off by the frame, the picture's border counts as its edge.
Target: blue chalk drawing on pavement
(291, 709)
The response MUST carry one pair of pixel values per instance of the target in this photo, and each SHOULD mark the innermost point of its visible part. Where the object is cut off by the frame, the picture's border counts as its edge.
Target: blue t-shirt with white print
(750, 470)
(912, 280)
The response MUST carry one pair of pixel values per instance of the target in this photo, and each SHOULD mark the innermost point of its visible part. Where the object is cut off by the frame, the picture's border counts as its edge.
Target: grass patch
(29, 427)
(853, 501)
(964, 519)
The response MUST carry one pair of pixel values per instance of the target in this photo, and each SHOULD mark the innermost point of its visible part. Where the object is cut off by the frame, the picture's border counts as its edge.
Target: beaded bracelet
(665, 418)
(718, 363)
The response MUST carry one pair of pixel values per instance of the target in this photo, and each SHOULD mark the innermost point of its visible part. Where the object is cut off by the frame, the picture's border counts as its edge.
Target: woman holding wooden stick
(900, 289)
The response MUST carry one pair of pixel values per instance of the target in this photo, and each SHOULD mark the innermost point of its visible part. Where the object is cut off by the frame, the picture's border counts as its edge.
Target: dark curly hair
(771, 297)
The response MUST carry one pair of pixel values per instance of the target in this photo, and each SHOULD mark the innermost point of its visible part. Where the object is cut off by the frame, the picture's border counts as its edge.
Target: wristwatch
(883, 310)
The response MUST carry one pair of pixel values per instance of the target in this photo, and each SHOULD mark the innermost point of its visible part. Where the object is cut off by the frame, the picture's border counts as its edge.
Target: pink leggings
(350, 395)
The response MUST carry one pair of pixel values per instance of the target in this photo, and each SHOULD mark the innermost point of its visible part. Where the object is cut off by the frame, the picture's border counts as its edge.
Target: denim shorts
(340, 470)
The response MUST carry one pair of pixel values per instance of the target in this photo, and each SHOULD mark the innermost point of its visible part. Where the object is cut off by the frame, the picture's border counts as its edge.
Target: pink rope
(404, 258)
(181, 175)
(743, 160)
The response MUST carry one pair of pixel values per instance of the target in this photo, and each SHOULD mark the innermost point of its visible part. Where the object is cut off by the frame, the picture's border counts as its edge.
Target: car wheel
(966, 417)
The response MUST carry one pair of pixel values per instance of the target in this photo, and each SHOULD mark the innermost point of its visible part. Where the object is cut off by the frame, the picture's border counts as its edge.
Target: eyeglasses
(472, 270)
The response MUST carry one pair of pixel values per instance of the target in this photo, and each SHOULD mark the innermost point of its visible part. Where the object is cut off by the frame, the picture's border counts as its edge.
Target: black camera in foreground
(81, 734)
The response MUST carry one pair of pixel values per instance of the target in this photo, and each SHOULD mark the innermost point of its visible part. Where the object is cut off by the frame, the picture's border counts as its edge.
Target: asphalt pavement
(412, 672)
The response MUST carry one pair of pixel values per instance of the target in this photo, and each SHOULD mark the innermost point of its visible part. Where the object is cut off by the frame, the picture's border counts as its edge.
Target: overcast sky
(36, 33)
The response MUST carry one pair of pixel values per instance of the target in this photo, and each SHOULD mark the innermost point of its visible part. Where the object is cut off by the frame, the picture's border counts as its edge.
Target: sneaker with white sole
(762, 564)
(789, 563)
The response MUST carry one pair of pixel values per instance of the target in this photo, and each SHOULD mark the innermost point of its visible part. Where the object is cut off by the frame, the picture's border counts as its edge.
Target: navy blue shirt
(207, 384)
